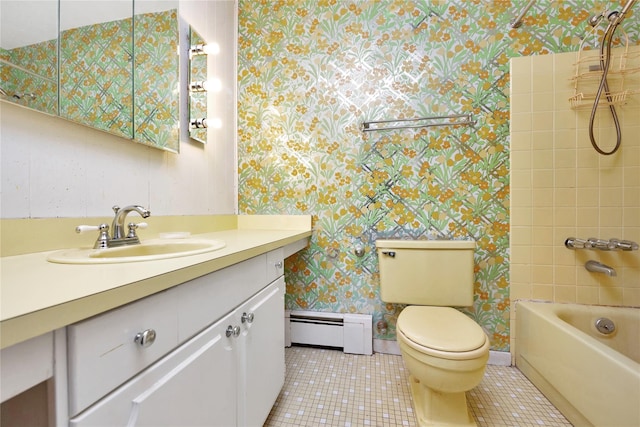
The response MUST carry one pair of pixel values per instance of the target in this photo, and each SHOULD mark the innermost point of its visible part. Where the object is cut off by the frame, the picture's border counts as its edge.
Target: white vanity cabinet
(261, 351)
(226, 368)
(192, 386)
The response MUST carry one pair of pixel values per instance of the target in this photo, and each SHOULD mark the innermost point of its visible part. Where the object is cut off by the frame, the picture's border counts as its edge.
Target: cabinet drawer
(206, 299)
(102, 352)
(275, 264)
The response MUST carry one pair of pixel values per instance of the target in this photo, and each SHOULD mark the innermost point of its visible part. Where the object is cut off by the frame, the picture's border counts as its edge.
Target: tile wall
(562, 188)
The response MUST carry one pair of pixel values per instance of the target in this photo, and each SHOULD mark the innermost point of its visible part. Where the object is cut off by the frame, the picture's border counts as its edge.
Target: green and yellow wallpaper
(310, 72)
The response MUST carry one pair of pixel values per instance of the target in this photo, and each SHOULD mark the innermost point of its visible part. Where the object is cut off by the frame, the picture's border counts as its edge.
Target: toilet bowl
(446, 354)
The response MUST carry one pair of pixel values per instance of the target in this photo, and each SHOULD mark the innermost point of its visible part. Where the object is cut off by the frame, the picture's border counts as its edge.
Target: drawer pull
(279, 264)
(233, 330)
(145, 338)
(247, 317)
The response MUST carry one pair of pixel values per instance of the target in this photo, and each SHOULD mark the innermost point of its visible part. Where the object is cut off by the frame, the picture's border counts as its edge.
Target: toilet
(444, 350)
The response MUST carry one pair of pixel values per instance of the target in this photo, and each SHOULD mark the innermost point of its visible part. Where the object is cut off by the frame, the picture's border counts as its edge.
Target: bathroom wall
(560, 186)
(54, 168)
(310, 72)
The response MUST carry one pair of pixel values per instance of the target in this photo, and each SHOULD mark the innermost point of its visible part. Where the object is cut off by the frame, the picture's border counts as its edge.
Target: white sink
(150, 250)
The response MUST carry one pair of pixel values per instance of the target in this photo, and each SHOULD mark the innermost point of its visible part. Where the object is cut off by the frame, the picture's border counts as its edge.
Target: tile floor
(330, 388)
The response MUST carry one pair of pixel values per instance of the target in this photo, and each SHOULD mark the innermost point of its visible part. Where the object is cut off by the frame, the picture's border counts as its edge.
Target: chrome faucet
(597, 267)
(118, 238)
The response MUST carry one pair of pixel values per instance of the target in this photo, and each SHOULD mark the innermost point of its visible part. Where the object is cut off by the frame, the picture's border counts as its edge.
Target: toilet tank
(426, 272)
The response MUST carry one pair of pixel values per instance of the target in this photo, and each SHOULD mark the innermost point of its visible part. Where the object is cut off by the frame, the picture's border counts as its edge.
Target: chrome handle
(279, 264)
(233, 330)
(391, 254)
(133, 227)
(145, 338)
(247, 317)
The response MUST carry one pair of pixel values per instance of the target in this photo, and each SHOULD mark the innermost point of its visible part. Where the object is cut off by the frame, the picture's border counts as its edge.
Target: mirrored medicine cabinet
(110, 65)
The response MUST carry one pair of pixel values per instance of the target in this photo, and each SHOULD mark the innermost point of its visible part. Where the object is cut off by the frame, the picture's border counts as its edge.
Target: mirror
(198, 87)
(96, 64)
(156, 94)
(29, 54)
(118, 65)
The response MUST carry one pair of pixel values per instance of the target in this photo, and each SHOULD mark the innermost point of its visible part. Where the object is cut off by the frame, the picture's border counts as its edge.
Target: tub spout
(597, 267)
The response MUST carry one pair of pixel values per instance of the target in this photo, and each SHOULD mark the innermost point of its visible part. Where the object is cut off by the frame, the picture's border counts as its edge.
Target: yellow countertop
(37, 296)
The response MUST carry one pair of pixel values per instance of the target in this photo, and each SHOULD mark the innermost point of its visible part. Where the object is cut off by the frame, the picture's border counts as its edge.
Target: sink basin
(150, 250)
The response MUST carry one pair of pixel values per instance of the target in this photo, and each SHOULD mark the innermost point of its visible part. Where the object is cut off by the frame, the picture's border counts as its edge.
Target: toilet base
(440, 409)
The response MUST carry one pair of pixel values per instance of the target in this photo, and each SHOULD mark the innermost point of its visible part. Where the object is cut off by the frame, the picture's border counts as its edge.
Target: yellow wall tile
(541, 121)
(587, 294)
(543, 236)
(521, 103)
(568, 190)
(542, 101)
(610, 295)
(542, 292)
(541, 274)
(520, 216)
(521, 122)
(564, 293)
(520, 273)
(631, 297)
(541, 159)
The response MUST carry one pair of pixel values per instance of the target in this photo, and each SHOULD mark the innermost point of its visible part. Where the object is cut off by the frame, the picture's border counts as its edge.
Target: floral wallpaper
(155, 91)
(29, 75)
(310, 72)
(96, 74)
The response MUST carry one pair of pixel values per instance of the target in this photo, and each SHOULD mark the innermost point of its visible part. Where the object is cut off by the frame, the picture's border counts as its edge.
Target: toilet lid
(441, 328)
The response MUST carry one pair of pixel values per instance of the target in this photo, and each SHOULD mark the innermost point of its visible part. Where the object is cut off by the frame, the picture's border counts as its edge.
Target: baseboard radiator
(351, 332)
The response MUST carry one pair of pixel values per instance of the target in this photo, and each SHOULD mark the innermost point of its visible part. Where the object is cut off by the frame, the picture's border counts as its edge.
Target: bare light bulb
(205, 49)
(213, 85)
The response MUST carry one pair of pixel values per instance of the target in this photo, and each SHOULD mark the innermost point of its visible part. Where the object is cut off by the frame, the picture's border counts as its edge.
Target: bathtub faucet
(597, 267)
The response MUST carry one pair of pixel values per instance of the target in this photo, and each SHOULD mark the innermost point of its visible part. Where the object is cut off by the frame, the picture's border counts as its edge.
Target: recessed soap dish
(175, 235)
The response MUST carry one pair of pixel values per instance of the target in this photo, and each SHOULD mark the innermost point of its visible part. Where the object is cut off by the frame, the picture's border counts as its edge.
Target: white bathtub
(592, 378)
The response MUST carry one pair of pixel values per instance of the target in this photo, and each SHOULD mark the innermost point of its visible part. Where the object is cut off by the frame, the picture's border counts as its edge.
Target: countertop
(37, 296)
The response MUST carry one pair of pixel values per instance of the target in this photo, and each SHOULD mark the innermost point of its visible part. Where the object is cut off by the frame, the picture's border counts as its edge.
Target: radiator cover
(351, 332)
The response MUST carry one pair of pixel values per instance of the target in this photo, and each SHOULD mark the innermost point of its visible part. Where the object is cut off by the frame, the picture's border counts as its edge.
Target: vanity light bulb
(205, 49)
(211, 48)
(215, 123)
(214, 85)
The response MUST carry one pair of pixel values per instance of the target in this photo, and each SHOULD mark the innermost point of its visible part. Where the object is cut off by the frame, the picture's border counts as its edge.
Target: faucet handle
(103, 239)
(84, 228)
(133, 227)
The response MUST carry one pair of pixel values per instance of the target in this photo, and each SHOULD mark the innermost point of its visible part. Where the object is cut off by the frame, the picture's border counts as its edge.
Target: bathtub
(592, 378)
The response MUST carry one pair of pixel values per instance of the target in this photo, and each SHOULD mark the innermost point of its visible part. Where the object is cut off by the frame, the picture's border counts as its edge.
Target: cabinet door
(193, 386)
(262, 354)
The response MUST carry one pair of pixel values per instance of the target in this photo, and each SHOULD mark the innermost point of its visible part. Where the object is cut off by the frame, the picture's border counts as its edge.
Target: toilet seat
(442, 332)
